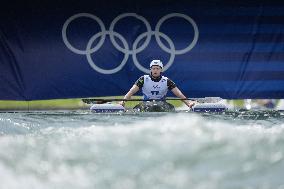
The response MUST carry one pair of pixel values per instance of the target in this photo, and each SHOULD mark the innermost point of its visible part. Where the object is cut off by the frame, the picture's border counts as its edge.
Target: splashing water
(142, 150)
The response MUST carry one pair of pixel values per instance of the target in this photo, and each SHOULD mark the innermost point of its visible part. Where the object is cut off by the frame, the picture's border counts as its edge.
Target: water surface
(79, 149)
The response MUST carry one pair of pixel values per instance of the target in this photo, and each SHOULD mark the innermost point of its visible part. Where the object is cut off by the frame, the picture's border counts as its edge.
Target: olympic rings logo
(125, 49)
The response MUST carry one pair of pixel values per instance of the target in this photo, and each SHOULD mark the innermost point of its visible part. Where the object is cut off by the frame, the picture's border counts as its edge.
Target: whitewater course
(182, 149)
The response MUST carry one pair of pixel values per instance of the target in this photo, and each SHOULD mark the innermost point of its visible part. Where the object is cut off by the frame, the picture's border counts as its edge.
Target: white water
(140, 151)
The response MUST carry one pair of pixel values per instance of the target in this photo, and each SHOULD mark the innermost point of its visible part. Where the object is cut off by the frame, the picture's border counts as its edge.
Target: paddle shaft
(100, 100)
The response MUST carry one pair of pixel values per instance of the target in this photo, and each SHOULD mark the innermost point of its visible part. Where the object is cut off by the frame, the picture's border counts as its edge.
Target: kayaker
(155, 85)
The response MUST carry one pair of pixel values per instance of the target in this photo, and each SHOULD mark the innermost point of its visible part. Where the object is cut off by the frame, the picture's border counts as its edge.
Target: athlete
(155, 86)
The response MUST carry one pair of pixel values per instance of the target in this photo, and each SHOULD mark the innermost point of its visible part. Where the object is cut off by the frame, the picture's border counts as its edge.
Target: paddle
(103, 100)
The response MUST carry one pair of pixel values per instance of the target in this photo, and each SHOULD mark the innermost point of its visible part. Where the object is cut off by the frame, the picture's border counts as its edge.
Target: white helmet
(156, 63)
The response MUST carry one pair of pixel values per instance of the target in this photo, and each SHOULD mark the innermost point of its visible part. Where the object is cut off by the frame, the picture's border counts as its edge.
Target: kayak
(156, 106)
(209, 107)
(107, 108)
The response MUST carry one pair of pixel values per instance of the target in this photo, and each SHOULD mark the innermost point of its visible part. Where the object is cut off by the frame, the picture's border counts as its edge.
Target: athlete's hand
(122, 103)
(190, 103)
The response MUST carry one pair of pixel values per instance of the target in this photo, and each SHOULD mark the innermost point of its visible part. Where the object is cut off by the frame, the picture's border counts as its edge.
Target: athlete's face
(156, 71)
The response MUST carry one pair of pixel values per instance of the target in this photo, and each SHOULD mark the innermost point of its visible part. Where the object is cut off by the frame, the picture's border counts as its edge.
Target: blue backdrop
(90, 48)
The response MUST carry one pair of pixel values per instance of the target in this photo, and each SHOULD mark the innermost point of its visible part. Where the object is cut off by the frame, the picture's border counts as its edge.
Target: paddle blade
(94, 101)
(209, 100)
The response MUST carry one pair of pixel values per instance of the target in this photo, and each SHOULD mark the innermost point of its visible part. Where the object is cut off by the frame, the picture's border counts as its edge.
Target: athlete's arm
(134, 89)
(171, 84)
(179, 94)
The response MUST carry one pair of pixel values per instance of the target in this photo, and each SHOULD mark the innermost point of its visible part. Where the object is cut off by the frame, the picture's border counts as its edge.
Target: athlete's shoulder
(140, 82)
(146, 77)
(164, 77)
(171, 84)
(141, 78)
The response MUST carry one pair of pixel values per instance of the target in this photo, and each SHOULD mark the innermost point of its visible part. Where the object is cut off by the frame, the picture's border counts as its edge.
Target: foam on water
(182, 150)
